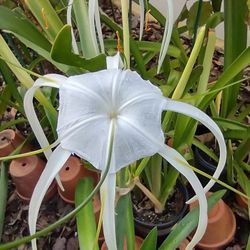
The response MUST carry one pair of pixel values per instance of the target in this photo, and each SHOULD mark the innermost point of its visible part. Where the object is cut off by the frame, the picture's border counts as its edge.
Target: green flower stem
(3, 194)
(180, 88)
(125, 24)
(67, 217)
(212, 178)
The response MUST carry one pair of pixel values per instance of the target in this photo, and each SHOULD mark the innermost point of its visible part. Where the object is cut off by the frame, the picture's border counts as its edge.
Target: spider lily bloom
(113, 109)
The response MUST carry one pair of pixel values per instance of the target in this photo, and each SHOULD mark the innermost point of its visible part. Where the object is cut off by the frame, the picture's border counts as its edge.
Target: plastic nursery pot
(142, 228)
(138, 243)
(72, 171)
(207, 165)
(9, 140)
(221, 227)
(25, 173)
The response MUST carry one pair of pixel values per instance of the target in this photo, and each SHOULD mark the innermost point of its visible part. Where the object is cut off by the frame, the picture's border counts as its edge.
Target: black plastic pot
(207, 165)
(143, 228)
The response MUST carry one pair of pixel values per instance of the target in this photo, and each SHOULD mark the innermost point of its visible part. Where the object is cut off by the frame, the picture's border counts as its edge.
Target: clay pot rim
(140, 240)
(72, 160)
(241, 198)
(226, 240)
(176, 218)
(26, 199)
(63, 198)
(32, 160)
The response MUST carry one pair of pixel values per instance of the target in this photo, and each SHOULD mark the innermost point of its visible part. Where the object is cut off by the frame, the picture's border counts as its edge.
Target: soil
(145, 212)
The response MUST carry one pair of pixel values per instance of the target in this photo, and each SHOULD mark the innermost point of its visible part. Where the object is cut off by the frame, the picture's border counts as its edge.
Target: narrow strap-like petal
(176, 159)
(200, 116)
(99, 27)
(167, 34)
(142, 17)
(92, 7)
(69, 22)
(54, 164)
(108, 200)
(114, 62)
(31, 114)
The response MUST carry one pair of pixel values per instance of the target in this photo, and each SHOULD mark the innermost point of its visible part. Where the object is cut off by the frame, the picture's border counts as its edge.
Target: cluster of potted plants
(142, 206)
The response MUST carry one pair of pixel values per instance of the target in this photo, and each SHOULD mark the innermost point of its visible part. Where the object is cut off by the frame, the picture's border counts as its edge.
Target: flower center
(113, 115)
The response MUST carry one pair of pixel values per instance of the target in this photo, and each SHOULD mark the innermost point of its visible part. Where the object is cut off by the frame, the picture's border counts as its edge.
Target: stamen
(119, 47)
(113, 115)
(147, 28)
(45, 19)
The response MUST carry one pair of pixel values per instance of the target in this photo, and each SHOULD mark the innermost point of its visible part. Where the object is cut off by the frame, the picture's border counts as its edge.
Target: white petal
(175, 159)
(200, 116)
(114, 62)
(88, 141)
(99, 27)
(69, 22)
(92, 7)
(142, 17)
(133, 85)
(131, 145)
(108, 199)
(56, 81)
(54, 164)
(167, 34)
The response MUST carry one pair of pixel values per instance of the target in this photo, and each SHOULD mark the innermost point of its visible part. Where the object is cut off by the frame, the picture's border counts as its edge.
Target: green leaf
(46, 16)
(187, 224)
(150, 241)
(235, 42)
(20, 25)
(10, 82)
(85, 219)
(130, 225)
(214, 20)
(206, 11)
(216, 5)
(230, 124)
(62, 53)
(3, 194)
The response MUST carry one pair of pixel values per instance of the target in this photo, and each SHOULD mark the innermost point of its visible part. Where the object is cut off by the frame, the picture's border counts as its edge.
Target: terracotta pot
(184, 244)
(25, 173)
(9, 140)
(138, 243)
(72, 171)
(242, 201)
(97, 210)
(221, 227)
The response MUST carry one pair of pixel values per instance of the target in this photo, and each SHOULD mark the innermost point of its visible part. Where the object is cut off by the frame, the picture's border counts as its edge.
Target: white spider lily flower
(116, 102)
